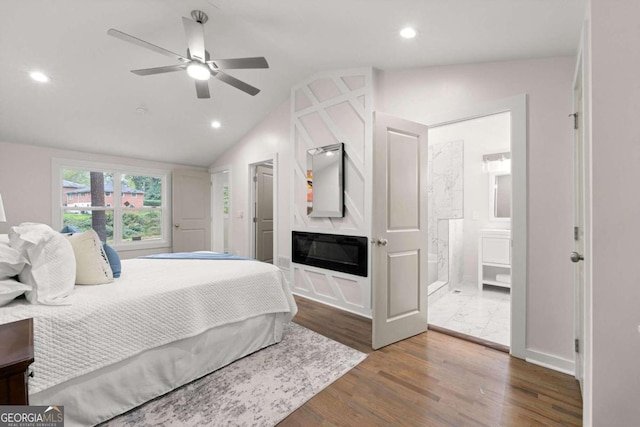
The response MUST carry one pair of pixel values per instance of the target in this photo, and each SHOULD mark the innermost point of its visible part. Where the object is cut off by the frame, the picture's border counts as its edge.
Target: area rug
(258, 390)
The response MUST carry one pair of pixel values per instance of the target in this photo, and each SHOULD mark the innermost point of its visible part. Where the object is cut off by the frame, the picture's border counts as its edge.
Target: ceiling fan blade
(239, 63)
(126, 37)
(159, 70)
(238, 84)
(195, 38)
(202, 89)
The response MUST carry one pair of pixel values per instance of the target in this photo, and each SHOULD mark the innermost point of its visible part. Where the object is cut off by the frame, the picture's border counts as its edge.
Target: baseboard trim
(552, 362)
(309, 297)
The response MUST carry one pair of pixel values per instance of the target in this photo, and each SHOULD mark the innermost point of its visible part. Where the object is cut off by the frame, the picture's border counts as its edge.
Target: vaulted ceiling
(94, 104)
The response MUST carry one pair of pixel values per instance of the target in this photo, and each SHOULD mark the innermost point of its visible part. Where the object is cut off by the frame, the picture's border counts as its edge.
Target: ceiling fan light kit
(198, 71)
(196, 62)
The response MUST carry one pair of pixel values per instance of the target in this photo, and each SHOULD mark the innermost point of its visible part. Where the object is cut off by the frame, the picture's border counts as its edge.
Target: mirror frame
(314, 152)
(492, 196)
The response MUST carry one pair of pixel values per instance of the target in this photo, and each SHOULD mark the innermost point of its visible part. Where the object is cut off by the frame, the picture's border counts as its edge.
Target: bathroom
(469, 209)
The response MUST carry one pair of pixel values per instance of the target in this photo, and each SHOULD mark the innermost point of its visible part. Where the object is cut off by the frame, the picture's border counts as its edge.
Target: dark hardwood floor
(432, 379)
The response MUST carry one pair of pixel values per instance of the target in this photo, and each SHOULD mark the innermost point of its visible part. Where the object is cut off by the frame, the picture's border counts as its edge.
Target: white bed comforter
(154, 302)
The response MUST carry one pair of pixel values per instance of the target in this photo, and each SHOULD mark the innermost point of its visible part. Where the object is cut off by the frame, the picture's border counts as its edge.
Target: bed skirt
(110, 391)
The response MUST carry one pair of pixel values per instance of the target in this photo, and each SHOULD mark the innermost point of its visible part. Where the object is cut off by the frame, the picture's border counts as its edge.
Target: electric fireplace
(347, 254)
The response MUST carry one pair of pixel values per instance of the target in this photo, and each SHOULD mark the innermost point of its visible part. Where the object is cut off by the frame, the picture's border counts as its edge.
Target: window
(99, 196)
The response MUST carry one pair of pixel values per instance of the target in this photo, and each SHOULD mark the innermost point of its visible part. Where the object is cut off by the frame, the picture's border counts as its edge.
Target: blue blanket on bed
(196, 255)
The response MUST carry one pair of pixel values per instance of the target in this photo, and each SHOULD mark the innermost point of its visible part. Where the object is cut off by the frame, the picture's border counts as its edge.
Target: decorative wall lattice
(326, 109)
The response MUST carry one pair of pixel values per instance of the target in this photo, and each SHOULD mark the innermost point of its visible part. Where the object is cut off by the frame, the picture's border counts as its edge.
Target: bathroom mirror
(500, 196)
(325, 181)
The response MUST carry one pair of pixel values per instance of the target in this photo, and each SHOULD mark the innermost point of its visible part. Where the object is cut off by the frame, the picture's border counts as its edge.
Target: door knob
(575, 257)
(379, 242)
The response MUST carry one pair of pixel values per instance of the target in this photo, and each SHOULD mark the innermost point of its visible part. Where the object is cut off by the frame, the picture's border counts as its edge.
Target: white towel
(503, 278)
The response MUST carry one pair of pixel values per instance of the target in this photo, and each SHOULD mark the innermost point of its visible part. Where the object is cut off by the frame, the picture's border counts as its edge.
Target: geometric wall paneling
(316, 129)
(301, 281)
(350, 290)
(354, 82)
(321, 284)
(324, 89)
(350, 124)
(301, 101)
(338, 289)
(332, 107)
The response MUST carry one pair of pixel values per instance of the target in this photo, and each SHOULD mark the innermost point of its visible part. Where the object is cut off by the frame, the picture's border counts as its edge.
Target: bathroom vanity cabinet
(494, 258)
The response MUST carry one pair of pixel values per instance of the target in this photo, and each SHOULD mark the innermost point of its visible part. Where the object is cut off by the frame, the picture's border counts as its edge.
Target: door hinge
(255, 219)
(576, 233)
(575, 120)
(576, 345)
(255, 178)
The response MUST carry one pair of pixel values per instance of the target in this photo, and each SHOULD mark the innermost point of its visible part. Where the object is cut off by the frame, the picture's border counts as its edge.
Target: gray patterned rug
(258, 390)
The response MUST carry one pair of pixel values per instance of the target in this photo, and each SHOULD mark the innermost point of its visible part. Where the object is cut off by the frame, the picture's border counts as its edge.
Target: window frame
(57, 213)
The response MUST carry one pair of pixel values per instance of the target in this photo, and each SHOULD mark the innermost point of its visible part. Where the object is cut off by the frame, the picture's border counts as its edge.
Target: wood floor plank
(432, 379)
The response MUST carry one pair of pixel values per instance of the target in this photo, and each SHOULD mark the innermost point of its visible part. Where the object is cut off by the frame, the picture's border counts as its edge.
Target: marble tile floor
(484, 314)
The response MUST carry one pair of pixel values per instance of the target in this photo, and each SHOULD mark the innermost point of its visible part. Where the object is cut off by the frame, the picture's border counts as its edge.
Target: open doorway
(220, 210)
(263, 212)
(469, 184)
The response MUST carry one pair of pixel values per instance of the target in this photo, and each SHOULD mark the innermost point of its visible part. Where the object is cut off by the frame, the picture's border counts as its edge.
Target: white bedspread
(154, 302)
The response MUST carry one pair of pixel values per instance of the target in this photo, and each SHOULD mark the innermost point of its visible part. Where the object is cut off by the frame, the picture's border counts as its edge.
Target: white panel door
(399, 235)
(264, 213)
(579, 233)
(191, 211)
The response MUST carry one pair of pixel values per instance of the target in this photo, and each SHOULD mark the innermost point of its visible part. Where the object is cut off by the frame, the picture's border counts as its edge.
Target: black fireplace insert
(347, 254)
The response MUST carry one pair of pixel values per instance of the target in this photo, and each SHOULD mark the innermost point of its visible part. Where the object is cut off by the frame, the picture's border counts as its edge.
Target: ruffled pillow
(12, 262)
(11, 289)
(51, 271)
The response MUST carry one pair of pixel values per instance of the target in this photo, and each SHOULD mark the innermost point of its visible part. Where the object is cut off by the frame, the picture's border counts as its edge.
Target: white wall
(481, 136)
(423, 93)
(25, 182)
(266, 139)
(615, 139)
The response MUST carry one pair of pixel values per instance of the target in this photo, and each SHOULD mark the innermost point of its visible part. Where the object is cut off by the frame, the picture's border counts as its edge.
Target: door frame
(582, 75)
(215, 171)
(251, 242)
(517, 106)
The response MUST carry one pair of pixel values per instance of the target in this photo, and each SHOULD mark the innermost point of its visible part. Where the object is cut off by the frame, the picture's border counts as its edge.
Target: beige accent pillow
(92, 264)
(51, 271)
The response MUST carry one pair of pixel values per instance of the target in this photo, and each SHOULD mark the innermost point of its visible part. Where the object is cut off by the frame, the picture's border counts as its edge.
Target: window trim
(57, 203)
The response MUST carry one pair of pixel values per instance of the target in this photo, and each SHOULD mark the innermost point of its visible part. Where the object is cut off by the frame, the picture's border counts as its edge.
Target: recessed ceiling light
(215, 124)
(39, 76)
(408, 33)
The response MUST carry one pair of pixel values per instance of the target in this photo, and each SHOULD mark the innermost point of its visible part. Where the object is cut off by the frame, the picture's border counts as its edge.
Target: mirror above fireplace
(325, 179)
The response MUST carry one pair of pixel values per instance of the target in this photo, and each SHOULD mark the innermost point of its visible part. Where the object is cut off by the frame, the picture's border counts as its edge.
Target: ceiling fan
(197, 62)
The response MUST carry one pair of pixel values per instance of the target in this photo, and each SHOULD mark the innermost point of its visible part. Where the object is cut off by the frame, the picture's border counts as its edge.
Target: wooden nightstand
(16, 354)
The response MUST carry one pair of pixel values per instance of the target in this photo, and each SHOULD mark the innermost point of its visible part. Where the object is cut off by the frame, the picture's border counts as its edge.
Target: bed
(162, 324)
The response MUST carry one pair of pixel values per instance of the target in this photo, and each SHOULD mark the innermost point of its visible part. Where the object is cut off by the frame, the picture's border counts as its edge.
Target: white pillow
(92, 264)
(52, 269)
(11, 261)
(10, 289)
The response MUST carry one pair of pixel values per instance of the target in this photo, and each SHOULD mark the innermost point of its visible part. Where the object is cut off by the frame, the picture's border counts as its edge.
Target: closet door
(191, 211)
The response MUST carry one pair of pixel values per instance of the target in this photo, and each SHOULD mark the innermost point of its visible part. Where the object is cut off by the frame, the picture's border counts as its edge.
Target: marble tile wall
(445, 187)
